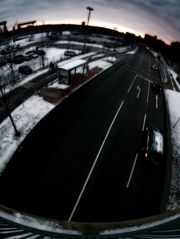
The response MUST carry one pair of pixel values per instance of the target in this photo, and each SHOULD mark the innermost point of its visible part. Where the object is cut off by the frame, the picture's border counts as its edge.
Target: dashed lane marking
(132, 170)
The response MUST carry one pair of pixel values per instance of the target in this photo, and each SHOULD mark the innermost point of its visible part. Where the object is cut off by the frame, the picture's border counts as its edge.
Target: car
(34, 55)
(18, 59)
(30, 55)
(152, 150)
(25, 70)
(156, 88)
(154, 67)
(70, 53)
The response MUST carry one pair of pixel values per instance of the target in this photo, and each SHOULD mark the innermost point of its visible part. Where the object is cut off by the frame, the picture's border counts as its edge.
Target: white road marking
(132, 84)
(147, 100)
(132, 170)
(156, 101)
(139, 91)
(144, 122)
(94, 164)
(146, 79)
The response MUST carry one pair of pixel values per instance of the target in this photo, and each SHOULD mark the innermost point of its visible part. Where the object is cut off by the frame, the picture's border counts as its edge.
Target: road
(82, 161)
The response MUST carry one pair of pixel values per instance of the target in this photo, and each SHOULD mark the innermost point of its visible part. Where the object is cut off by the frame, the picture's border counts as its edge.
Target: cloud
(156, 16)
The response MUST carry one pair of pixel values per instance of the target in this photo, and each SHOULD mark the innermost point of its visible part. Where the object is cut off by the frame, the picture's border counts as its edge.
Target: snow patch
(173, 99)
(58, 86)
(100, 63)
(154, 53)
(37, 223)
(133, 51)
(80, 43)
(26, 116)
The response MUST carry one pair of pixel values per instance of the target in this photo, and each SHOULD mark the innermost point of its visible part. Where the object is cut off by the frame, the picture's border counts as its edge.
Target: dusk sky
(155, 17)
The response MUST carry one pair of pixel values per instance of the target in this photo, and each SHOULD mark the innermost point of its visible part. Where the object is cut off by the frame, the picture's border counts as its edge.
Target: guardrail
(14, 224)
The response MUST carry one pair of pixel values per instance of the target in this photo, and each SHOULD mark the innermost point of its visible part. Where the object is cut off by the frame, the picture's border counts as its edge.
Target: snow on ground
(26, 116)
(28, 41)
(25, 80)
(97, 56)
(132, 52)
(42, 71)
(79, 43)
(113, 59)
(173, 76)
(58, 86)
(37, 223)
(154, 53)
(173, 99)
(173, 73)
(122, 49)
(100, 63)
(60, 64)
(110, 59)
(55, 54)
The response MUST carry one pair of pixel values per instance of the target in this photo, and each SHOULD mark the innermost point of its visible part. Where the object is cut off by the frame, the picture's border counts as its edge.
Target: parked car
(27, 57)
(18, 59)
(70, 53)
(152, 149)
(30, 55)
(25, 70)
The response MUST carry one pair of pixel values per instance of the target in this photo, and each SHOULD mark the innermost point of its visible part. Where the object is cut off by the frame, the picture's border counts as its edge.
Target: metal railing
(18, 225)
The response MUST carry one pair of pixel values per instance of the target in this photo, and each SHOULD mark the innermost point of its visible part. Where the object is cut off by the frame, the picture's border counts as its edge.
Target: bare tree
(3, 84)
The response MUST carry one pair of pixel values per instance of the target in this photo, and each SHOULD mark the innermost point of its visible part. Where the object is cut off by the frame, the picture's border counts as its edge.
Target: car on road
(156, 88)
(154, 67)
(152, 150)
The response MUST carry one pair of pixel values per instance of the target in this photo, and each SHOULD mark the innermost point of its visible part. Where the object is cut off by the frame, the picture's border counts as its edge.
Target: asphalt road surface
(83, 161)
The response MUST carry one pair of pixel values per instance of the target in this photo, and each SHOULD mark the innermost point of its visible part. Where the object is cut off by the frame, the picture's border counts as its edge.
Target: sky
(155, 17)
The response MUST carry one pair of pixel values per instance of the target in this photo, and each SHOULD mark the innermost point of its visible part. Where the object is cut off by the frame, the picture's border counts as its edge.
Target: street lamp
(17, 133)
(89, 14)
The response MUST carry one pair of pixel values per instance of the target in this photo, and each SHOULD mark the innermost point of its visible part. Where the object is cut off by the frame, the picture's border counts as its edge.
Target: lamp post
(17, 133)
(90, 9)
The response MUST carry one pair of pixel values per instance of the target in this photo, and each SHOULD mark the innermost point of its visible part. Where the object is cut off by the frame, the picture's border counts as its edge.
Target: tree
(4, 101)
